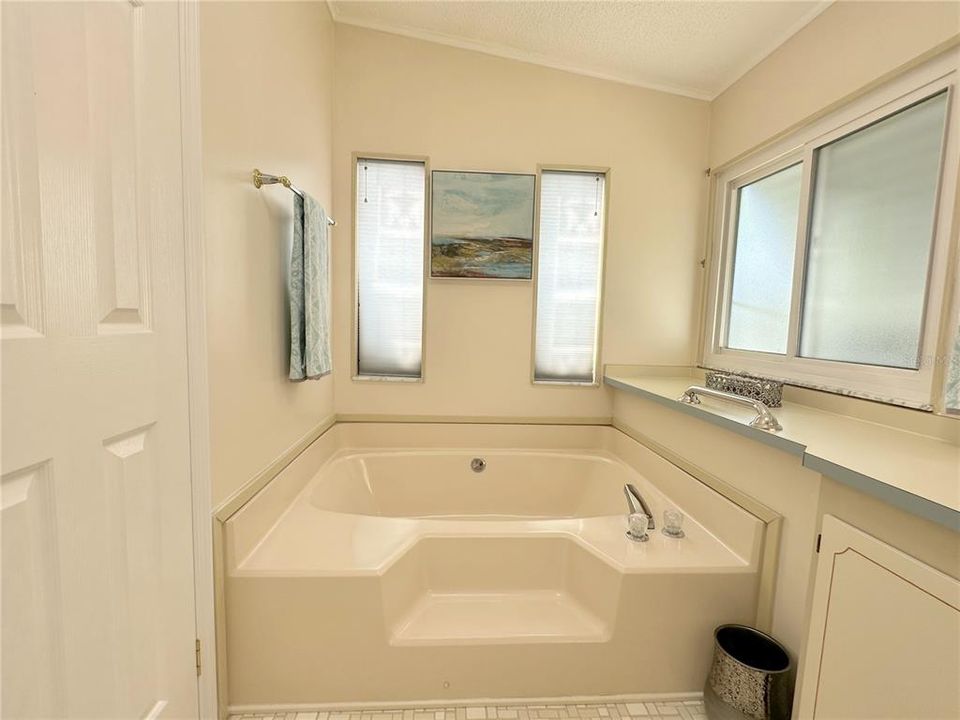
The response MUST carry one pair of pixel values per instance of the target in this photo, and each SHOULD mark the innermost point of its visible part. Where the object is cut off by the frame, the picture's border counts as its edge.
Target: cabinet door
(884, 638)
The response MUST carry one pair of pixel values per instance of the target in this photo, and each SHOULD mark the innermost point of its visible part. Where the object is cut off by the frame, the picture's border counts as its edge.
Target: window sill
(912, 471)
(565, 383)
(385, 379)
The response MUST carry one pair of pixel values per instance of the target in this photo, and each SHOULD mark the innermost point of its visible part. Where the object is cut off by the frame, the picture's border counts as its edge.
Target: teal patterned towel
(309, 291)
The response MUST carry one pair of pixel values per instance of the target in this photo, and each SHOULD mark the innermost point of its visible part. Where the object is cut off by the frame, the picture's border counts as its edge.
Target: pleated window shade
(569, 267)
(389, 256)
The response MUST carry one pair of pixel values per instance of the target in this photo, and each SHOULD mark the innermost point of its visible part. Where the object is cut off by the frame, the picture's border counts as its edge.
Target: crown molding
(771, 47)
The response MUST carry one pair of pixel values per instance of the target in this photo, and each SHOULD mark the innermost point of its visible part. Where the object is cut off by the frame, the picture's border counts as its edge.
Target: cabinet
(884, 635)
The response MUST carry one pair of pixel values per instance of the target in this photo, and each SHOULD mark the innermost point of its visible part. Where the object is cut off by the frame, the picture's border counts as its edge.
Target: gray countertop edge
(906, 501)
(890, 494)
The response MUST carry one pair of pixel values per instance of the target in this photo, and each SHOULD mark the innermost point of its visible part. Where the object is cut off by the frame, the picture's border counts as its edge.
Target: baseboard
(475, 702)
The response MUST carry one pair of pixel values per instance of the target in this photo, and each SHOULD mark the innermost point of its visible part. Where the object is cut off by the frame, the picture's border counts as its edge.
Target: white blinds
(568, 275)
(390, 246)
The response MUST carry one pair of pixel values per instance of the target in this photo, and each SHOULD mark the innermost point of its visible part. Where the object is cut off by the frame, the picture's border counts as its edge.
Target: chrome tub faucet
(637, 504)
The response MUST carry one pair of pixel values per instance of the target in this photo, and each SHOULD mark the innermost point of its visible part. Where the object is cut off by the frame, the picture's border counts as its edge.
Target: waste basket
(751, 677)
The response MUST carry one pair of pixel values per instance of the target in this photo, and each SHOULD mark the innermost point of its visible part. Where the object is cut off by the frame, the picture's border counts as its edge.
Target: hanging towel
(309, 291)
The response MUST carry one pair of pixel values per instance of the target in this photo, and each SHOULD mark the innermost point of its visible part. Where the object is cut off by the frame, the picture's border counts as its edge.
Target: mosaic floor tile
(673, 710)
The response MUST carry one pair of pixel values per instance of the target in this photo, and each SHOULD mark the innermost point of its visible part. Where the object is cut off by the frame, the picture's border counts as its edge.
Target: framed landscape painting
(482, 225)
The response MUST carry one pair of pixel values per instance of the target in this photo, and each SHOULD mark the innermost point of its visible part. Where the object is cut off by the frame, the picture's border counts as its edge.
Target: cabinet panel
(884, 638)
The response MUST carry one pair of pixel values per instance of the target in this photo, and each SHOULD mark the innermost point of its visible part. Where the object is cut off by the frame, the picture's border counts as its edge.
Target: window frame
(732, 199)
(909, 387)
(601, 287)
(355, 157)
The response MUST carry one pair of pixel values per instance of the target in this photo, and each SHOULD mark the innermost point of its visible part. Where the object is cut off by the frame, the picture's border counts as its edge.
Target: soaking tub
(458, 485)
(376, 574)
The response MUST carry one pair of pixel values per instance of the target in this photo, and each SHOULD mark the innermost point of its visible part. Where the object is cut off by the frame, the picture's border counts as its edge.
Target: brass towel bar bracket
(260, 179)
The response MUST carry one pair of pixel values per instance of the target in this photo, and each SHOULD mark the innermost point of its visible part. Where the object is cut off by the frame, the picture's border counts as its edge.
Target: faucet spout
(637, 504)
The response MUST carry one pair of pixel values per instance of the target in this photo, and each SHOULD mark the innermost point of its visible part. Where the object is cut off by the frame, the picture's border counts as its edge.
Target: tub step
(482, 618)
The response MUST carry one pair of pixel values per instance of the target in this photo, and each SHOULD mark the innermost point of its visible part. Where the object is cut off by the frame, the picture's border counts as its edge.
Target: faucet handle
(673, 523)
(638, 524)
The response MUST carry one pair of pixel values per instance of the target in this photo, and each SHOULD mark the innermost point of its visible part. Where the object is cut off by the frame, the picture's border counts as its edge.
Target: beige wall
(847, 47)
(469, 111)
(266, 74)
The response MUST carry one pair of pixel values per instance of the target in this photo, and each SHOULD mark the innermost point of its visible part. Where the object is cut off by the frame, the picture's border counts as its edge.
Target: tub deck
(308, 539)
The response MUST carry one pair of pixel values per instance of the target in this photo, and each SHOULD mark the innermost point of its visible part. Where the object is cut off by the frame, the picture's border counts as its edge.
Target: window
(765, 243)
(390, 210)
(870, 236)
(830, 252)
(951, 391)
(569, 270)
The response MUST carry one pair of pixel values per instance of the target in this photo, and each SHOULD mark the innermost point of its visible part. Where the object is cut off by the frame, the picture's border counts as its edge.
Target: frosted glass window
(389, 256)
(766, 237)
(568, 275)
(870, 239)
(952, 393)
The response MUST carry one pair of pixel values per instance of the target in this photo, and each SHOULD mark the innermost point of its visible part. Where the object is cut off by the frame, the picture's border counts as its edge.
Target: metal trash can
(751, 677)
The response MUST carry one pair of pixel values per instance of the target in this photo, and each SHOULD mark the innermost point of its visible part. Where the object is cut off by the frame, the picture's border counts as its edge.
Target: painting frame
(482, 225)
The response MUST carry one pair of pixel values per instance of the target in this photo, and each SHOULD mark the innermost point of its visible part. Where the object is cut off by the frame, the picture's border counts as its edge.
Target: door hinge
(199, 664)
(818, 547)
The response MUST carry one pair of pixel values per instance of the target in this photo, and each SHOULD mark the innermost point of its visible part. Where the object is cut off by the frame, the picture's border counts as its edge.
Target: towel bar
(260, 179)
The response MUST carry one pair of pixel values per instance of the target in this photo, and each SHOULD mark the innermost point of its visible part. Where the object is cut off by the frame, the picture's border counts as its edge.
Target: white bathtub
(372, 572)
(441, 484)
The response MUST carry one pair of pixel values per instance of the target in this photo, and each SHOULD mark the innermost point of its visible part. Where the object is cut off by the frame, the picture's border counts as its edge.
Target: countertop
(917, 473)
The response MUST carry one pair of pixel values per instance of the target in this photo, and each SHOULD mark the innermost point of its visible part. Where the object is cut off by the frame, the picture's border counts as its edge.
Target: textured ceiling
(690, 48)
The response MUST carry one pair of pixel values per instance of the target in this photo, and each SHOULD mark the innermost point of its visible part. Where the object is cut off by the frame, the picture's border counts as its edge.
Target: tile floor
(672, 710)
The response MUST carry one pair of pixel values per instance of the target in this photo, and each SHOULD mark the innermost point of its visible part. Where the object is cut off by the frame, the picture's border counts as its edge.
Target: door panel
(98, 604)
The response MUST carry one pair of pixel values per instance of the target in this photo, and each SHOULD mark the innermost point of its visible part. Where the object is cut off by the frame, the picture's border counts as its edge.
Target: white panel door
(884, 639)
(97, 593)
